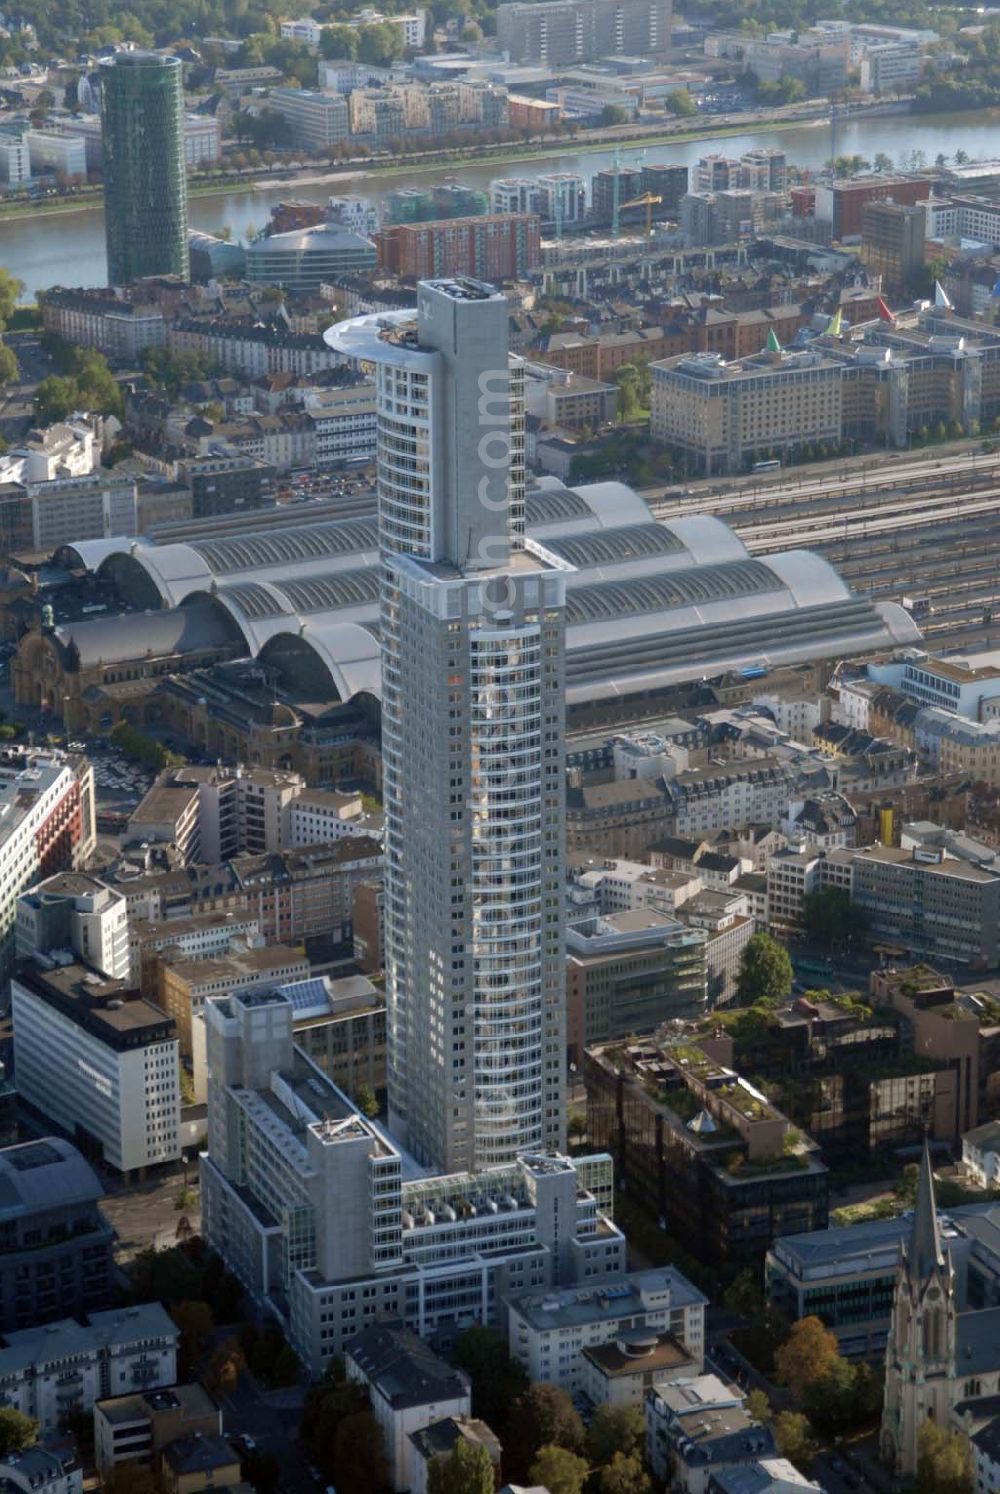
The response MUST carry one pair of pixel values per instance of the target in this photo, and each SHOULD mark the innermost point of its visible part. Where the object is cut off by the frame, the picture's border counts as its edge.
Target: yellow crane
(648, 200)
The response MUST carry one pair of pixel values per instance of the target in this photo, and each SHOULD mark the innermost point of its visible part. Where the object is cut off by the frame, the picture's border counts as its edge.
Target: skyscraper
(145, 188)
(472, 637)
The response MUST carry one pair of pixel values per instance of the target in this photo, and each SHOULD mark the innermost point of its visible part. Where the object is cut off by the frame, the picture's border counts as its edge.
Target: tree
(497, 1380)
(364, 1098)
(558, 1470)
(614, 114)
(847, 1398)
(380, 45)
(223, 1369)
(623, 1475)
(11, 290)
(809, 1353)
(132, 1478)
(829, 917)
(615, 1429)
(944, 1461)
(758, 1405)
(8, 366)
(339, 42)
(543, 1416)
(680, 102)
(55, 398)
(467, 1469)
(16, 1430)
(744, 1293)
(765, 971)
(196, 1322)
(794, 1438)
(359, 1460)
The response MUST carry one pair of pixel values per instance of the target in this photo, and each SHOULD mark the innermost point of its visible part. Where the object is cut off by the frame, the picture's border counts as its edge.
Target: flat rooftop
(607, 1300)
(107, 1009)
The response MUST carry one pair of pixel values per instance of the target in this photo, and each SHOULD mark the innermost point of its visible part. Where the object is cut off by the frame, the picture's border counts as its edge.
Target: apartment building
(557, 32)
(56, 1256)
(301, 894)
(136, 1426)
(99, 1062)
(47, 824)
(60, 1370)
(548, 1333)
(102, 319)
(725, 415)
(352, 1241)
(343, 423)
(252, 350)
(491, 247)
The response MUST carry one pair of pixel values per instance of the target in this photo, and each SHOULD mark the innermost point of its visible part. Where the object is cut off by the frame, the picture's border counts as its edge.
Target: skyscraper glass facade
(145, 187)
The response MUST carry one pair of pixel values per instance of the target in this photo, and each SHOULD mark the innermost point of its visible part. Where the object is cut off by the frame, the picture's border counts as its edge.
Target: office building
(557, 32)
(145, 184)
(63, 155)
(316, 120)
(628, 972)
(928, 902)
(477, 1044)
(99, 1062)
(703, 1150)
(56, 1247)
(725, 415)
(841, 203)
(75, 911)
(304, 260)
(227, 485)
(47, 824)
(328, 1225)
(15, 163)
(892, 245)
(550, 1332)
(491, 245)
(59, 1370)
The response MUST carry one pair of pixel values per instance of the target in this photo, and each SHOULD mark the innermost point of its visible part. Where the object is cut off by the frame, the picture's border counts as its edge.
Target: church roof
(977, 1336)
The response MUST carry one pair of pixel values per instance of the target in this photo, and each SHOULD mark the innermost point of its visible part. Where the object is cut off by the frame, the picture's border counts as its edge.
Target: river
(68, 248)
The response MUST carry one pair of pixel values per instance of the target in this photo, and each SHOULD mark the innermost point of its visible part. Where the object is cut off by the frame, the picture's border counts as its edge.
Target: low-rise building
(548, 1333)
(75, 911)
(41, 1470)
(136, 1426)
(981, 1154)
(199, 1461)
(699, 1427)
(409, 1388)
(441, 1438)
(60, 1370)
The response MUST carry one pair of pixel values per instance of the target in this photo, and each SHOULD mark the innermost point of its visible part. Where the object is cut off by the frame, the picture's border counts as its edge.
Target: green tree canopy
(830, 918)
(944, 1461)
(8, 365)
(497, 1380)
(558, 1470)
(11, 290)
(623, 1475)
(16, 1430)
(467, 1469)
(543, 1416)
(793, 1435)
(615, 1429)
(380, 45)
(765, 971)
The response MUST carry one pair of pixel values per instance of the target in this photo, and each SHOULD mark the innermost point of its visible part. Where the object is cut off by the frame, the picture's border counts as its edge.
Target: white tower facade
(472, 639)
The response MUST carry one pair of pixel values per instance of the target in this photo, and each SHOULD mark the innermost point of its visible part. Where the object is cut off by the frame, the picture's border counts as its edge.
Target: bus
(771, 466)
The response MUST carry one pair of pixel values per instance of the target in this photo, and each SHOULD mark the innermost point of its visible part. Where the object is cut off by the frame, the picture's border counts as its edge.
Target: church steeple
(920, 1350)
(924, 1255)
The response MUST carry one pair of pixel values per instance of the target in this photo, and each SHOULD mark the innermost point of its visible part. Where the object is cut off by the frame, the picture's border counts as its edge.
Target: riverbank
(620, 138)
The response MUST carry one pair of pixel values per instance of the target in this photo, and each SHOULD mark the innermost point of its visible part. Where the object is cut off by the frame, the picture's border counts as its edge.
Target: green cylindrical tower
(145, 186)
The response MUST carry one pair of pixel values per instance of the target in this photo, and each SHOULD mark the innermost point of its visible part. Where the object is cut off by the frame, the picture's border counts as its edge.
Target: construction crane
(648, 200)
